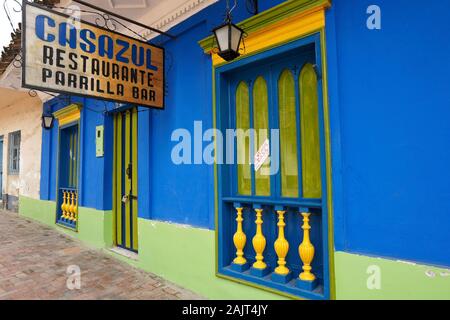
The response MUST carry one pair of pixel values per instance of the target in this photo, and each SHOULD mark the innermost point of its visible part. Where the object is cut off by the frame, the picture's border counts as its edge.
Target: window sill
(67, 225)
(310, 203)
(266, 283)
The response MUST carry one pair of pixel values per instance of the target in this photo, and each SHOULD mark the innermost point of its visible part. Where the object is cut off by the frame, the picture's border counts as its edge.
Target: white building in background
(20, 132)
(20, 146)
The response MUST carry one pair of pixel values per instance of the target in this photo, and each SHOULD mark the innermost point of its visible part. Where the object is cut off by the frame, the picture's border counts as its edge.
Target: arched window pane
(261, 126)
(243, 140)
(288, 135)
(309, 106)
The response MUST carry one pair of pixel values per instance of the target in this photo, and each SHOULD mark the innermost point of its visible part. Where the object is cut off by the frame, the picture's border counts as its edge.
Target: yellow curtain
(309, 106)
(243, 142)
(261, 126)
(288, 135)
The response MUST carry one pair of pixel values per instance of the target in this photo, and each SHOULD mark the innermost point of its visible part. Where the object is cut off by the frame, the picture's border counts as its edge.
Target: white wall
(19, 111)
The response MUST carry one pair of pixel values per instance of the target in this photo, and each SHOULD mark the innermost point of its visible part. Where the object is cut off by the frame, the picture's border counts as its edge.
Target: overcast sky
(5, 27)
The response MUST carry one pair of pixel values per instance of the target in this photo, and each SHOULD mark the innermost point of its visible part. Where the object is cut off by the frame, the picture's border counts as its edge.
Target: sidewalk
(34, 260)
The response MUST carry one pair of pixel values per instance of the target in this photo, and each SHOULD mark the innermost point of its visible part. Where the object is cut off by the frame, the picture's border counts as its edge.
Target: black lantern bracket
(109, 20)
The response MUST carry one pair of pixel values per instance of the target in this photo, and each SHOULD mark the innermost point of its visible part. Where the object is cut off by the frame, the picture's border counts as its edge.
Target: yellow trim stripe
(127, 180)
(114, 181)
(69, 114)
(71, 142)
(118, 181)
(135, 176)
(328, 160)
(77, 149)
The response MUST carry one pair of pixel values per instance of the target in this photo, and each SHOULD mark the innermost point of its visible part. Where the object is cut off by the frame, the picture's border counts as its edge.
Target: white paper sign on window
(262, 155)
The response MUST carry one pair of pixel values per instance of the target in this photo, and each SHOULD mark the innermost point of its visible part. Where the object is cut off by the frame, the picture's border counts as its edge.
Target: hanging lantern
(228, 38)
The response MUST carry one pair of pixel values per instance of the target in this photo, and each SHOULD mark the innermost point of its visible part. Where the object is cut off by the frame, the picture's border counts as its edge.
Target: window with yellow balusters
(275, 246)
(69, 206)
(68, 196)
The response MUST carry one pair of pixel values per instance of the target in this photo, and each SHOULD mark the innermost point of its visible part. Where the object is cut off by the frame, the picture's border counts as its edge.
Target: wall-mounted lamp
(47, 120)
(228, 37)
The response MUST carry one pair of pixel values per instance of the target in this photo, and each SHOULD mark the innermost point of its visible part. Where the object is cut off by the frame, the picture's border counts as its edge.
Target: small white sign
(262, 155)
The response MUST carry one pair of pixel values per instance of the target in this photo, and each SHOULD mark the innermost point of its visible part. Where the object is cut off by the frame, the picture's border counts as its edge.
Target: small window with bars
(14, 153)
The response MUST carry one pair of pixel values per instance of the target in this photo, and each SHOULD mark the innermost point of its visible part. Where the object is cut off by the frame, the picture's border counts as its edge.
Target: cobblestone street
(34, 260)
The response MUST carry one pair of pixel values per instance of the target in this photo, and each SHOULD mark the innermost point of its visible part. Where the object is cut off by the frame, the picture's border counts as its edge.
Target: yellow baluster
(63, 206)
(70, 215)
(75, 217)
(69, 205)
(306, 250)
(239, 239)
(281, 245)
(72, 207)
(259, 242)
(67, 211)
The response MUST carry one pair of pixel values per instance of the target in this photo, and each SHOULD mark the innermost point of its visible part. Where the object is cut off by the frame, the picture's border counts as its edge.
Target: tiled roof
(10, 52)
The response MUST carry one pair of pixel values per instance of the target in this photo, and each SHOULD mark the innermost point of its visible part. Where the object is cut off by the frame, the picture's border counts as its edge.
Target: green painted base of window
(94, 226)
(356, 279)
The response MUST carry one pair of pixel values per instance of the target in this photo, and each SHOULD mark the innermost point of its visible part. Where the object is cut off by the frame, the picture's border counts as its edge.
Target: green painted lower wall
(94, 226)
(388, 279)
(42, 211)
(186, 256)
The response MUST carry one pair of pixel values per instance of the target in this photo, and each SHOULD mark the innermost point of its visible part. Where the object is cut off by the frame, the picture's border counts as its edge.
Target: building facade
(355, 202)
(20, 147)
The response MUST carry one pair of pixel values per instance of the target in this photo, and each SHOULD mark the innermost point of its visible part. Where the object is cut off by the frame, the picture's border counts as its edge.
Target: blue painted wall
(390, 98)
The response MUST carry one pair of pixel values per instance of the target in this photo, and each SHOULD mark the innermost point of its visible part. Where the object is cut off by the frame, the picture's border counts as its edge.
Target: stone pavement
(34, 259)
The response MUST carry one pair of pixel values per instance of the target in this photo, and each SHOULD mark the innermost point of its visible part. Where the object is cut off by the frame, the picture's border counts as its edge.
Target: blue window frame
(14, 153)
(293, 58)
(68, 172)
